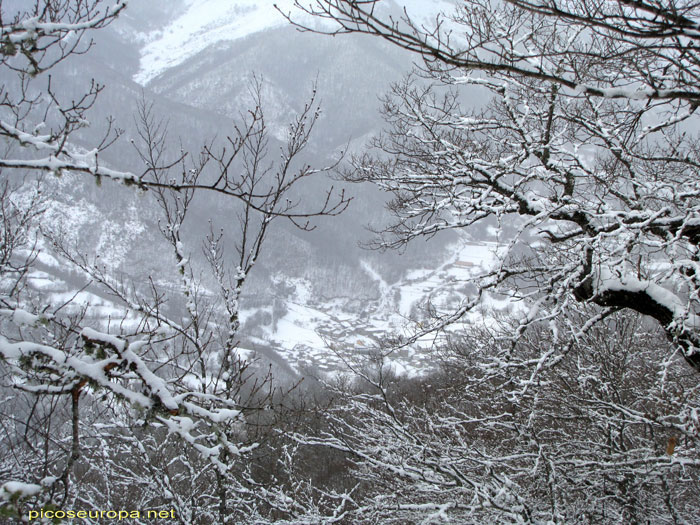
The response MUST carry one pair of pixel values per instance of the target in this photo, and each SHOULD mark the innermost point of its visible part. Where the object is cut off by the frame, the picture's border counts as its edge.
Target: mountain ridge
(195, 25)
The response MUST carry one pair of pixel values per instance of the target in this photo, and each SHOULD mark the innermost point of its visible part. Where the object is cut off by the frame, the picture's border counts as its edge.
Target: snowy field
(324, 337)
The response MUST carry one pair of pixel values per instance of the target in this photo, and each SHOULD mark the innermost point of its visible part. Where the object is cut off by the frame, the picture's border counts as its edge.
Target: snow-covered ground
(322, 337)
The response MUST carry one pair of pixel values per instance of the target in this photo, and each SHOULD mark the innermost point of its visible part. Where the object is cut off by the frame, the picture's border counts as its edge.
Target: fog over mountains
(313, 295)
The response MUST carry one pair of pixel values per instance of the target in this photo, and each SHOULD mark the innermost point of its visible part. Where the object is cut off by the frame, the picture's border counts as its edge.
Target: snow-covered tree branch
(78, 391)
(607, 436)
(569, 131)
(586, 141)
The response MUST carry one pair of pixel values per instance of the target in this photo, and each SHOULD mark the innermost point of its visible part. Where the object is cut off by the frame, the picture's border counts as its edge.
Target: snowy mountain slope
(349, 74)
(202, 23)
(197, 57)
(320, 336)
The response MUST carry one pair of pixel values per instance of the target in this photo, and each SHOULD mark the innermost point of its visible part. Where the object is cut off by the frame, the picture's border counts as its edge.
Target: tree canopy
(588, 144)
